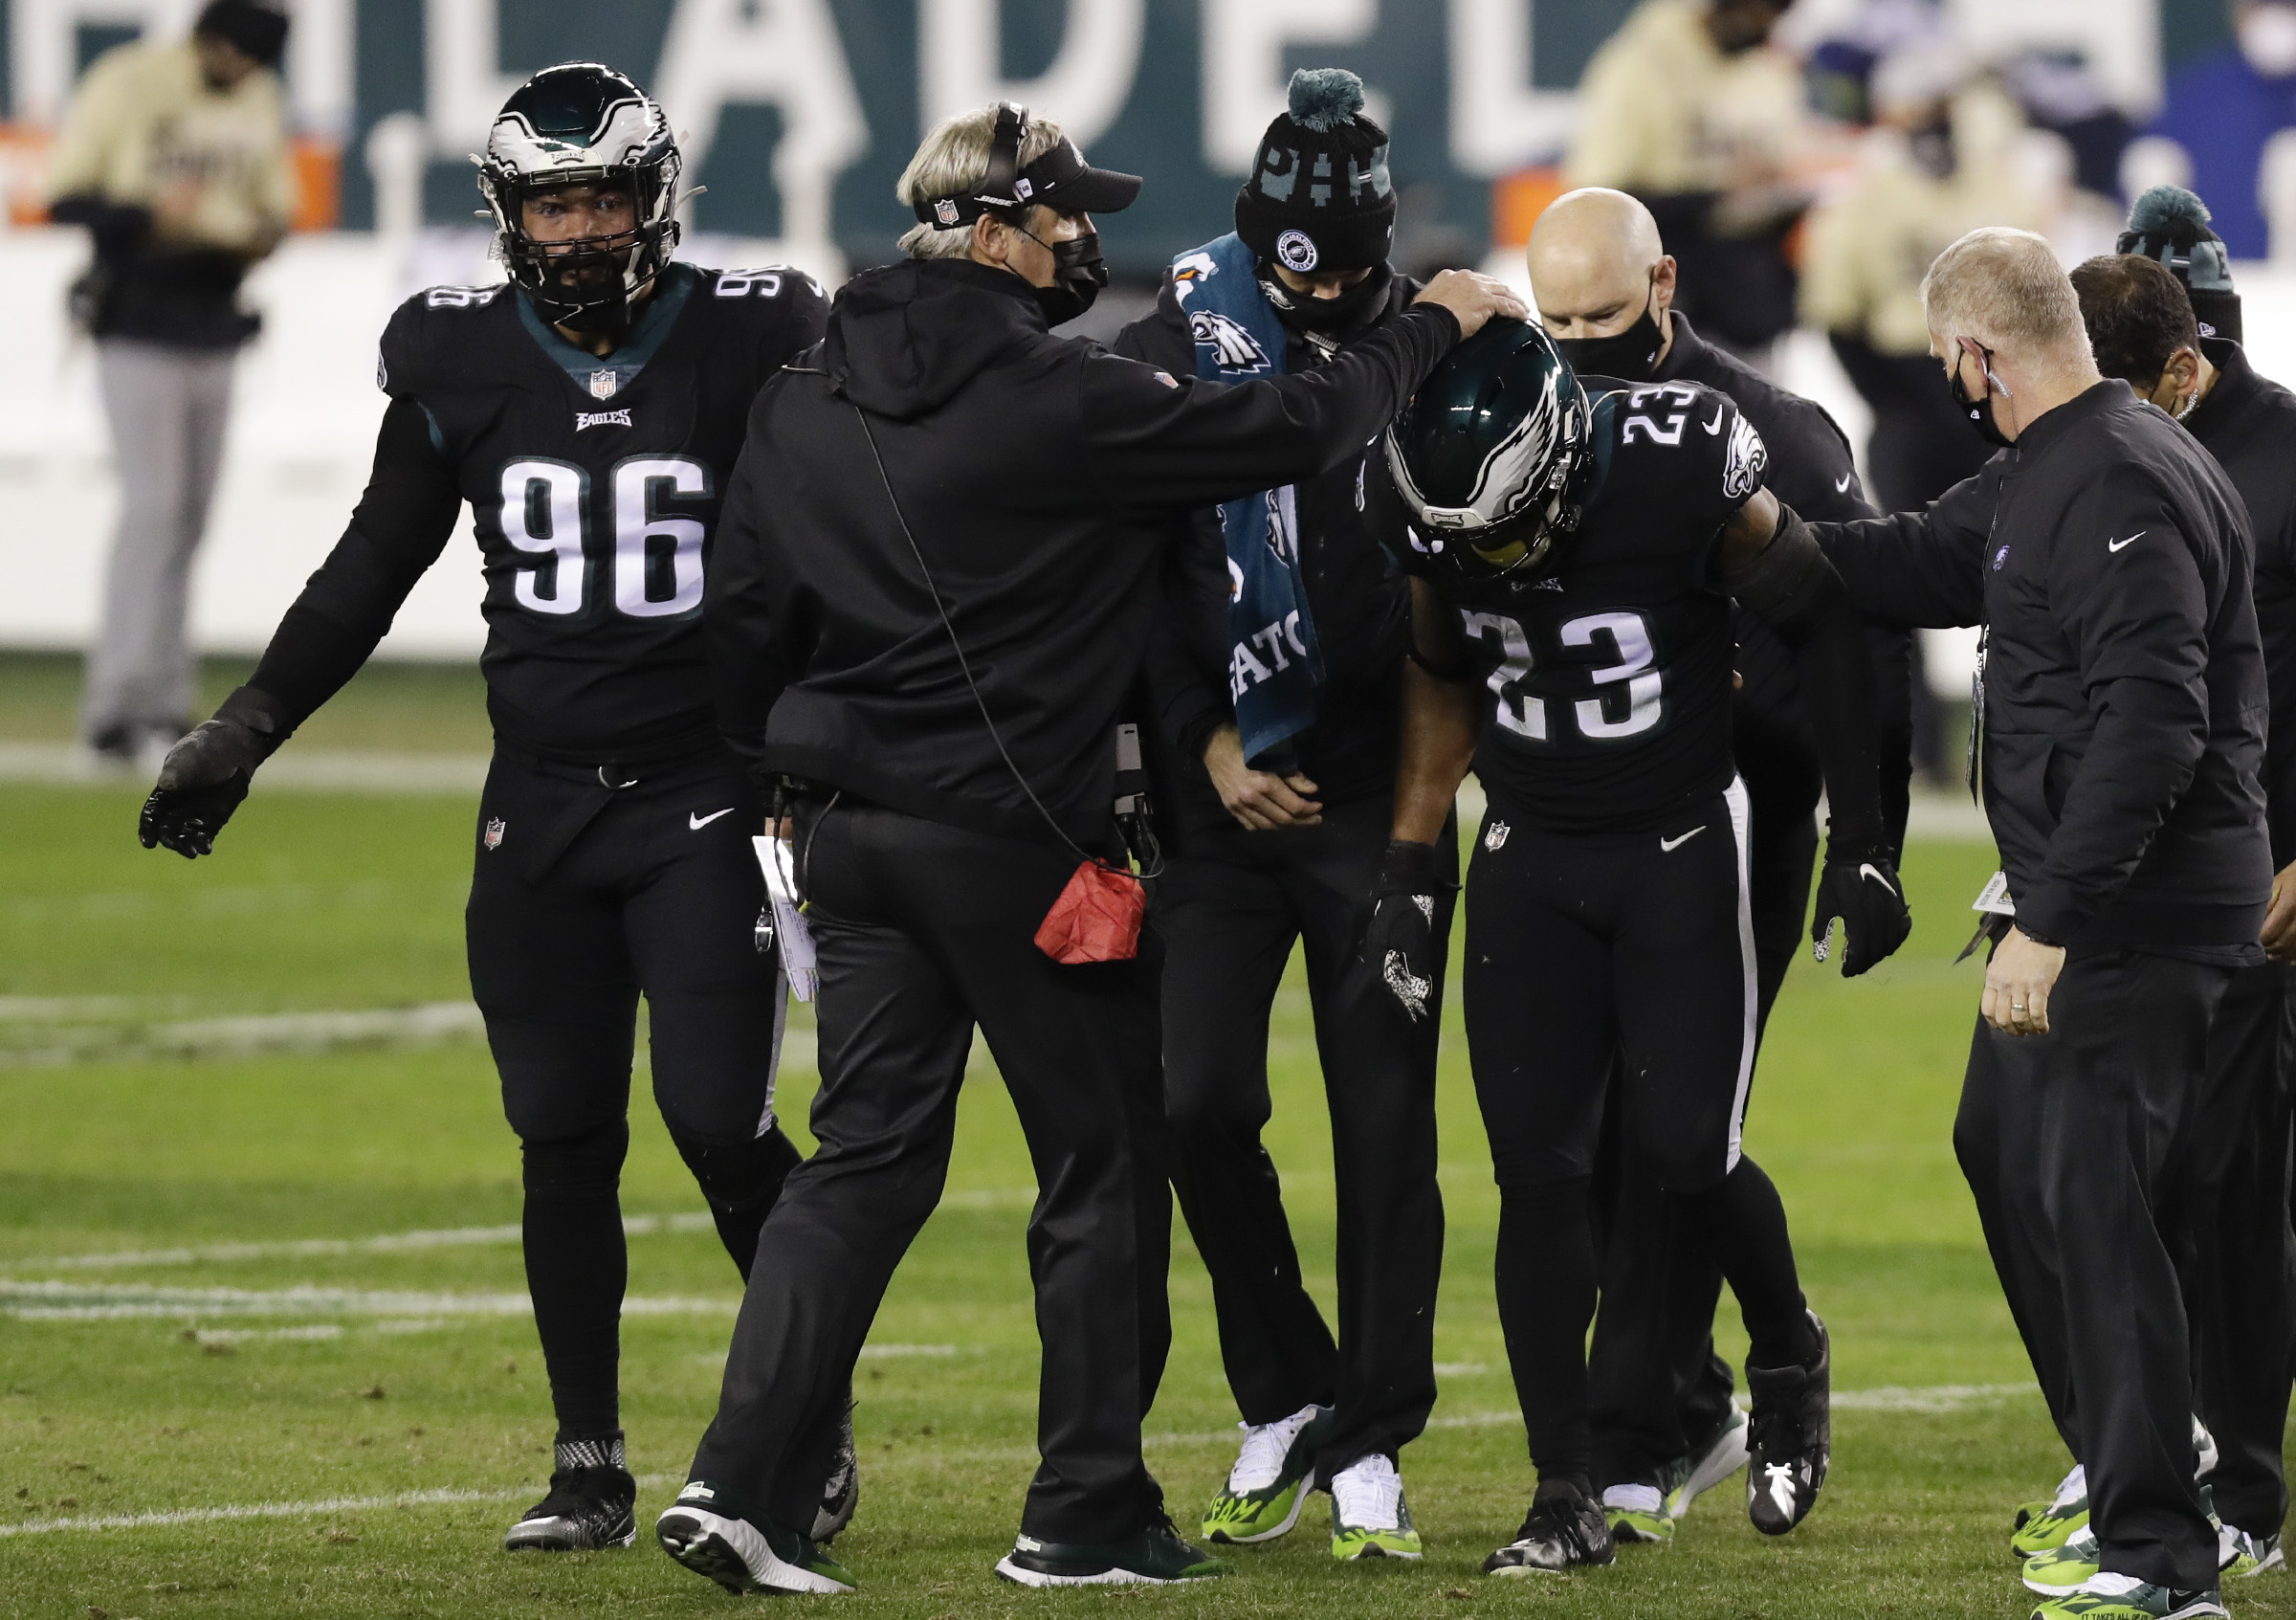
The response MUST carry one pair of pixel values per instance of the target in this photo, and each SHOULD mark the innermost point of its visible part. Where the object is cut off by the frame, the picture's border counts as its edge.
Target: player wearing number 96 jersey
(1575, 553)
(590, 412)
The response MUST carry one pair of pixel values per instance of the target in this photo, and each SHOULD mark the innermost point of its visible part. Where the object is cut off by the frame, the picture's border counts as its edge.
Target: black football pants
(2069, 1140)
(923, 932)
(1227, 916)
(2235, 1250)
(582, 899)
(1581, 948)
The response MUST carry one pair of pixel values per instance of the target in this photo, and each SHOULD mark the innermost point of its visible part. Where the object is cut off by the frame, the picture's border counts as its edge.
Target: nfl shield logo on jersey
(495, 830)
(602, 385)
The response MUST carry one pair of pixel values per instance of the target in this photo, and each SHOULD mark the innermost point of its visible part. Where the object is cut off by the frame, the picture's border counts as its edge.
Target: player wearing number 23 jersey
(588, 413)
(1576, 551)
(1609, 678)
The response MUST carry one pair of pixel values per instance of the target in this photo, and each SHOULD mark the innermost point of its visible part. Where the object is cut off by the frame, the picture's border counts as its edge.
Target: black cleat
(590, 1506)
(1566, 1530)
(1792, 1438)
(841, 1491)
(741, 1555)
(1156, 1557)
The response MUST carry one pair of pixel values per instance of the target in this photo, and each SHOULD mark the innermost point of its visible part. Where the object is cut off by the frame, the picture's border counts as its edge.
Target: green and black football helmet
(574, 125)
(1493, 454)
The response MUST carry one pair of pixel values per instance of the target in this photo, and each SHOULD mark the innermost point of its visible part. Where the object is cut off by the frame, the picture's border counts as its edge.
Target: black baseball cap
(1059, 179)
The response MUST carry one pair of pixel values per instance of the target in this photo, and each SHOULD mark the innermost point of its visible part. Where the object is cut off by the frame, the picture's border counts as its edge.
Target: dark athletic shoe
(1156, 1557)
(841, 1492)
(1564, 1531)
(1792, 1438)
(590, 1506)
(744, 1555)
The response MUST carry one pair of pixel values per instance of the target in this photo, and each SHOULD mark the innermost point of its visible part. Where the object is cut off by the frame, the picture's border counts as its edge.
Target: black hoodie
(1037, 474)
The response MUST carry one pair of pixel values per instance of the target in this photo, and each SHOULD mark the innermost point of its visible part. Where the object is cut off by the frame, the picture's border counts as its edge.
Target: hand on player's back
(1473, 299)
(203, 780)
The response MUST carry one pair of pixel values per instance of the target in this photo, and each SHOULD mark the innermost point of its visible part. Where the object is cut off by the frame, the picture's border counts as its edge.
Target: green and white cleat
(2238, 1553)
(2063, 1570)
(2125, 1597)
(1369, 1516)
(1270, 1482)
(1637, 1515)
(1155, 1557)
(2066, 1512)
(1722, 1455)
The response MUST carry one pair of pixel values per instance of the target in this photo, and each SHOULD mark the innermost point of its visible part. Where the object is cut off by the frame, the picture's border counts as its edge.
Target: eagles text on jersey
(1609, 671)
(594, 486)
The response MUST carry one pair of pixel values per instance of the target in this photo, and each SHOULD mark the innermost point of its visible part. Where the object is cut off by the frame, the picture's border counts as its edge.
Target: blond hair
(2005, 289)
(952, 161)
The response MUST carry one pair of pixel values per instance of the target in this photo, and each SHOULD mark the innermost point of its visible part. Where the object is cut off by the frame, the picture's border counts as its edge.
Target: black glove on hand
(206, 775)
(1864, 891)
(1400, 944)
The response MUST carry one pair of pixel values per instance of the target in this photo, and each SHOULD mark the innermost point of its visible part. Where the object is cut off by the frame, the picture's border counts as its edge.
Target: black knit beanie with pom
(2170, 224)
(1319, 197)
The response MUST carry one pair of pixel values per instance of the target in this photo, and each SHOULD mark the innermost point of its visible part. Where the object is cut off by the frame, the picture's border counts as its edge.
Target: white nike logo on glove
(695, 823)
(2117, 544)
(1670, 845)
(1866, 869)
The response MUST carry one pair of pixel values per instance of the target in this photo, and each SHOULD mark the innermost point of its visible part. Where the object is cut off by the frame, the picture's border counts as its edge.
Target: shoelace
(1369, 1495)
(2072, 1490)
(1266, 1445)
(1633, 1498)
(1562, 1521)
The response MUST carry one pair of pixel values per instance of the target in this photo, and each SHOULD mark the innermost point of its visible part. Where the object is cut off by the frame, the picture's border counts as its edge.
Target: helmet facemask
(616, 138)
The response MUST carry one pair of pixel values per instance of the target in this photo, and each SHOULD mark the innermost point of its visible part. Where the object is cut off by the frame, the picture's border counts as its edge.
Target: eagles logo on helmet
(583, 123)
(1495, 450)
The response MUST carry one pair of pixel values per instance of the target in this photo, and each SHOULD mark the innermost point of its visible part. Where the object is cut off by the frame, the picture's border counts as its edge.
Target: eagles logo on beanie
(1319, 197)
(2170, 224)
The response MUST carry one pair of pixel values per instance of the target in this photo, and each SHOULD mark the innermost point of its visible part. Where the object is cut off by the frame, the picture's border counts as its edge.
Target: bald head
(1596, 263)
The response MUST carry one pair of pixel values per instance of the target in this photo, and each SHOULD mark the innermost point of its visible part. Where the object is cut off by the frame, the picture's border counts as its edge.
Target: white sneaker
(1369, 1517)
(1266, 1445)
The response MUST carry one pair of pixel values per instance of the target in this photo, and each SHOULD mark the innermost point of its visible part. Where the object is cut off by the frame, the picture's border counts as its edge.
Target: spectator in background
(175, 158)
(1937, 166)
(2223, 107)
(1686, 108)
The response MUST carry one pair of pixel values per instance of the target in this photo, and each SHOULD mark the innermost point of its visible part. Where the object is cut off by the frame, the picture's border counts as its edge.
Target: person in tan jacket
(1937, 166)
(174, 156)
(1689, 108)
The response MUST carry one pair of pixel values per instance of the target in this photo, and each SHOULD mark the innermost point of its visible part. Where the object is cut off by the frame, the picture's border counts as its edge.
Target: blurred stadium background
(799, 114)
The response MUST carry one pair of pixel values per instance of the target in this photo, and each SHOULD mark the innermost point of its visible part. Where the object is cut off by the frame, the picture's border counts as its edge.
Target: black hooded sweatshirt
(1037, 476)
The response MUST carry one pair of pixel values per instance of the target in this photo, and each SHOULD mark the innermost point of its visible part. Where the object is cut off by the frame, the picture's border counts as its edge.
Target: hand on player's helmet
(1400, 944)
(205, 776)
(1865, 893)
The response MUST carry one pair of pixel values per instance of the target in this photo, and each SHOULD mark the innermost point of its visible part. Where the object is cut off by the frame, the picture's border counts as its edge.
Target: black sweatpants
(2236, 1251)
(581, 898)
(2069, 1140)
(1227, 916)
(1581, 948)
(922, 932)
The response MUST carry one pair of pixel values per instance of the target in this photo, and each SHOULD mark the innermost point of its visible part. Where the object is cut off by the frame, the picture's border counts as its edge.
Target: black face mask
(1329, 316)
(1631, 356)
(1979, 412)
(1077, 277)
(1930, 146)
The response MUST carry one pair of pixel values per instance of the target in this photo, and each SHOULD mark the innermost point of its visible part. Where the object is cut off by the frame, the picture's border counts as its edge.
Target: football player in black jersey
(1574, 560)
(590, 412)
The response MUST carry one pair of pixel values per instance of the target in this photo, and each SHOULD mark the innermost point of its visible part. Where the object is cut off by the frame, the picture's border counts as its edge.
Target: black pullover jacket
(1038, 476)
(1350, 531)
(2248, 423)
(2124, 699)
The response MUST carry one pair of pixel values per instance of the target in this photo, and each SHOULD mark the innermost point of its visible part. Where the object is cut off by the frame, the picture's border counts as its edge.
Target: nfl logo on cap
(945, 211)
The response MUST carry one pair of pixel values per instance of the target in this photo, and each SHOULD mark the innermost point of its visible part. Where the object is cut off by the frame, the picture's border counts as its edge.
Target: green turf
(320, 902)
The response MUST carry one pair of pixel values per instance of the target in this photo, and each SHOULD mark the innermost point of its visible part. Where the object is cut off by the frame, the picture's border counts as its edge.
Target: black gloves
(1400, 944)
(1865, 893)
(206, 775)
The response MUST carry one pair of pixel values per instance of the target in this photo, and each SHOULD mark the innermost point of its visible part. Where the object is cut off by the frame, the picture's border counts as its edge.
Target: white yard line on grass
(72, 1301)
(316, 769)
(1937, 1398)
(309, 1248)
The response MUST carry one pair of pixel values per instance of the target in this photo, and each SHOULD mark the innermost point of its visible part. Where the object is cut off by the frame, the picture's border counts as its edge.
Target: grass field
(208, 1299)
